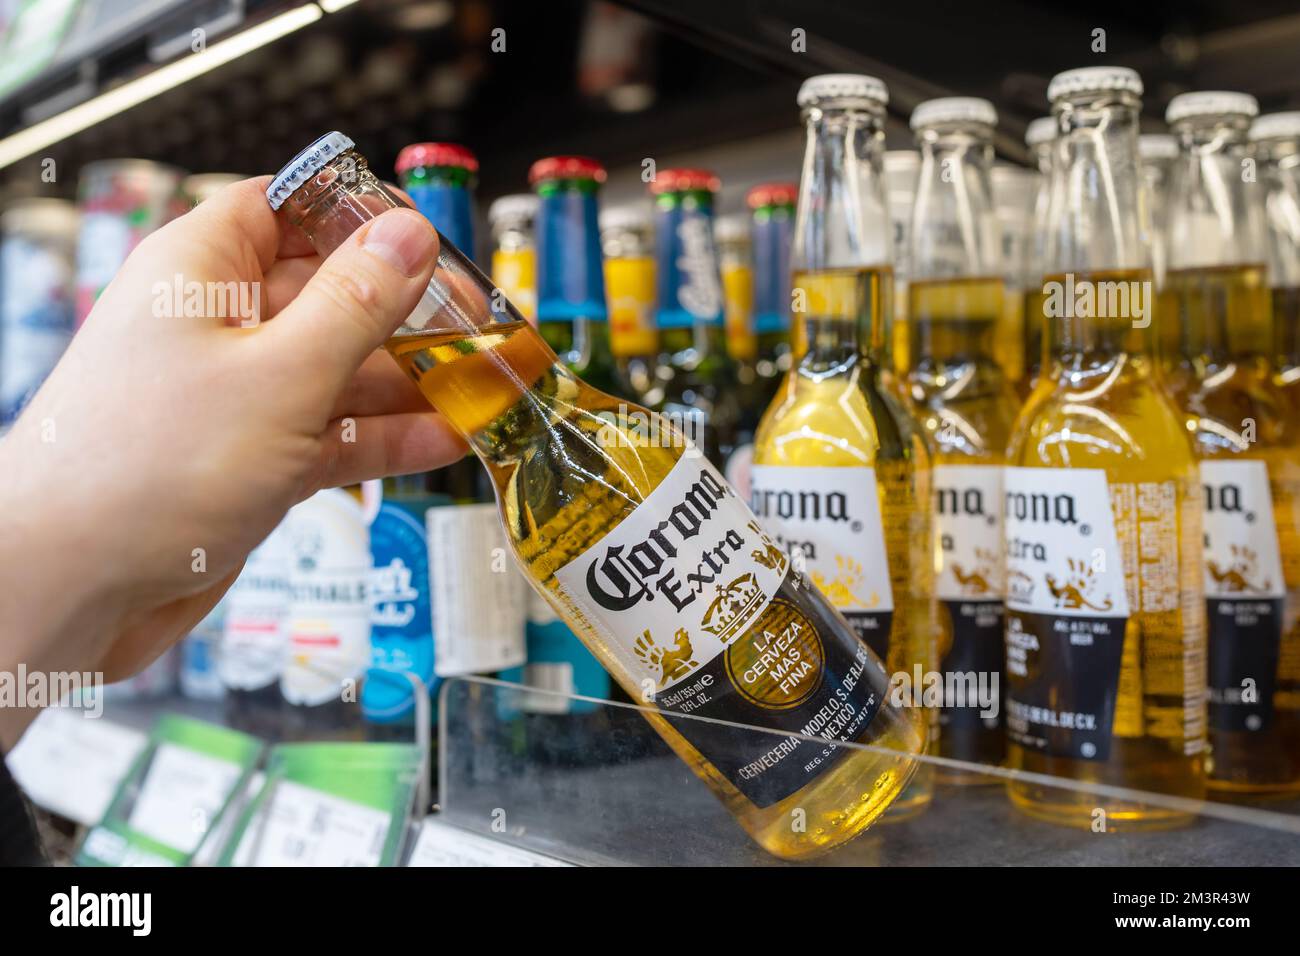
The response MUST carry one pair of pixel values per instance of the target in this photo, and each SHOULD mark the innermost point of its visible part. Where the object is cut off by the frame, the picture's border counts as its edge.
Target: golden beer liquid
(564, 480)
(1112, 413)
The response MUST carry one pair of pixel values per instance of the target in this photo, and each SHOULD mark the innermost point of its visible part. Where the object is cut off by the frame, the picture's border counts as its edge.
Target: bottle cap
(1210, 103)
(1157, 146)
(306, 165)
(680, 179)
(1276, 126)
(1094, 79)
(514, 206)
(630, 216)
(733, 228)
(954, 109)
(1040, 131)
(772, 194)
(831, 87)
(566, 167)
(435, 154)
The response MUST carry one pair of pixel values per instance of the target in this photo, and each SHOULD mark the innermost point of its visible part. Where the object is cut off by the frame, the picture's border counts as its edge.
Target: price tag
(306, 827)
(182, 792)
(441, 845)
(71, 764)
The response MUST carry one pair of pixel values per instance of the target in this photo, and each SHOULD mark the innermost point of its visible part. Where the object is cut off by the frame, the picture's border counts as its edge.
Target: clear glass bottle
(841, 473)
(579, 488)
(968, 407)
(902, 166)
(1277, 143)
(627, 237)
(1158, 152)
(1039, 137)
(1014, 189)
(514, 251)
(1105, 591)
(1247, 437)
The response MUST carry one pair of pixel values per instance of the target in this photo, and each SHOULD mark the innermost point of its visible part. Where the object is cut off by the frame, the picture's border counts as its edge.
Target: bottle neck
(954, 230)
(773, 227)
(442, 195)
(570, 270)
(842, 297)
(1099, 296)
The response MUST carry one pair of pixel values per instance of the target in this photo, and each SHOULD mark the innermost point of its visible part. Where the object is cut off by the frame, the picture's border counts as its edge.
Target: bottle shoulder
(1239, 409)
(1116, 418)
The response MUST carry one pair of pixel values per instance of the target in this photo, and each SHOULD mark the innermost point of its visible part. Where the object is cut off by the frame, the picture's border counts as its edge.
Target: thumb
(360, 294)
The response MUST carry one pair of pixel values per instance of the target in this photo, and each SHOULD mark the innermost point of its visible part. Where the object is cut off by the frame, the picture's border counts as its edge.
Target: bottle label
(630, 286)
(514, 272)
(970, 583)
(477, 592)
(401, 635)
(1245, 594)
(255, 638)
(701, 609)
(689, 284)
(831, 518)
(1067, 609)
(329, 610)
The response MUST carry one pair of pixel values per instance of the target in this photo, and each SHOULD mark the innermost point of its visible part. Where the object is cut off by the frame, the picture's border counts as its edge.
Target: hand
(164, 448)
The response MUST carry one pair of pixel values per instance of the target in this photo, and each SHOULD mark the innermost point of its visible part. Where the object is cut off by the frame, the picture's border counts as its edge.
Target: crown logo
(732, 608)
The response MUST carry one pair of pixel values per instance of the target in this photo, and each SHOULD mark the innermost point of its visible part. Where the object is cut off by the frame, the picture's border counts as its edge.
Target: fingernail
(403, 239)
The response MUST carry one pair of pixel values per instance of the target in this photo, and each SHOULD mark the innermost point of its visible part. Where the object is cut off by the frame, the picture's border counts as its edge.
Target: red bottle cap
(680, 180)
(436, 154)
(566, 167)
(772, 194)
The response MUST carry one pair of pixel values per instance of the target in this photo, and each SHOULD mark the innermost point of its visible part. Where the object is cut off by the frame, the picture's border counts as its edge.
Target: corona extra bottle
(697, 379)
(968, 407)
(627, 237)
(1158, 151)
(570, 269)
(902, 166)
(1014, 188)
(643, 549)
(514, 252)
(1277, 144)
(841, 472)
(1039, 137)
(1248, 439)
(1105, 598)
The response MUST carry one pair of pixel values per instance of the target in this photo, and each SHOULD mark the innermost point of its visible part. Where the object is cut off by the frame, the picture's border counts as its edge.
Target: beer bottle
(696, 378)
(1277, 142)
(1105, 597)
(627, 238)
(956, 297)
(514, 253)
(571, 308)
(841, 473)
(1039, 137)
(638, 544)
(1247, 437)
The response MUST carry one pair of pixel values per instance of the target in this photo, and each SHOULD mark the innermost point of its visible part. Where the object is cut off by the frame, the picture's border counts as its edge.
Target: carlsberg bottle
(639, 545)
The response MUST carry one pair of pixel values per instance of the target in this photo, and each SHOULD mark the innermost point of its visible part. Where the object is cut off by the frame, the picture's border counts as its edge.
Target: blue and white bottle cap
(306, 165)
